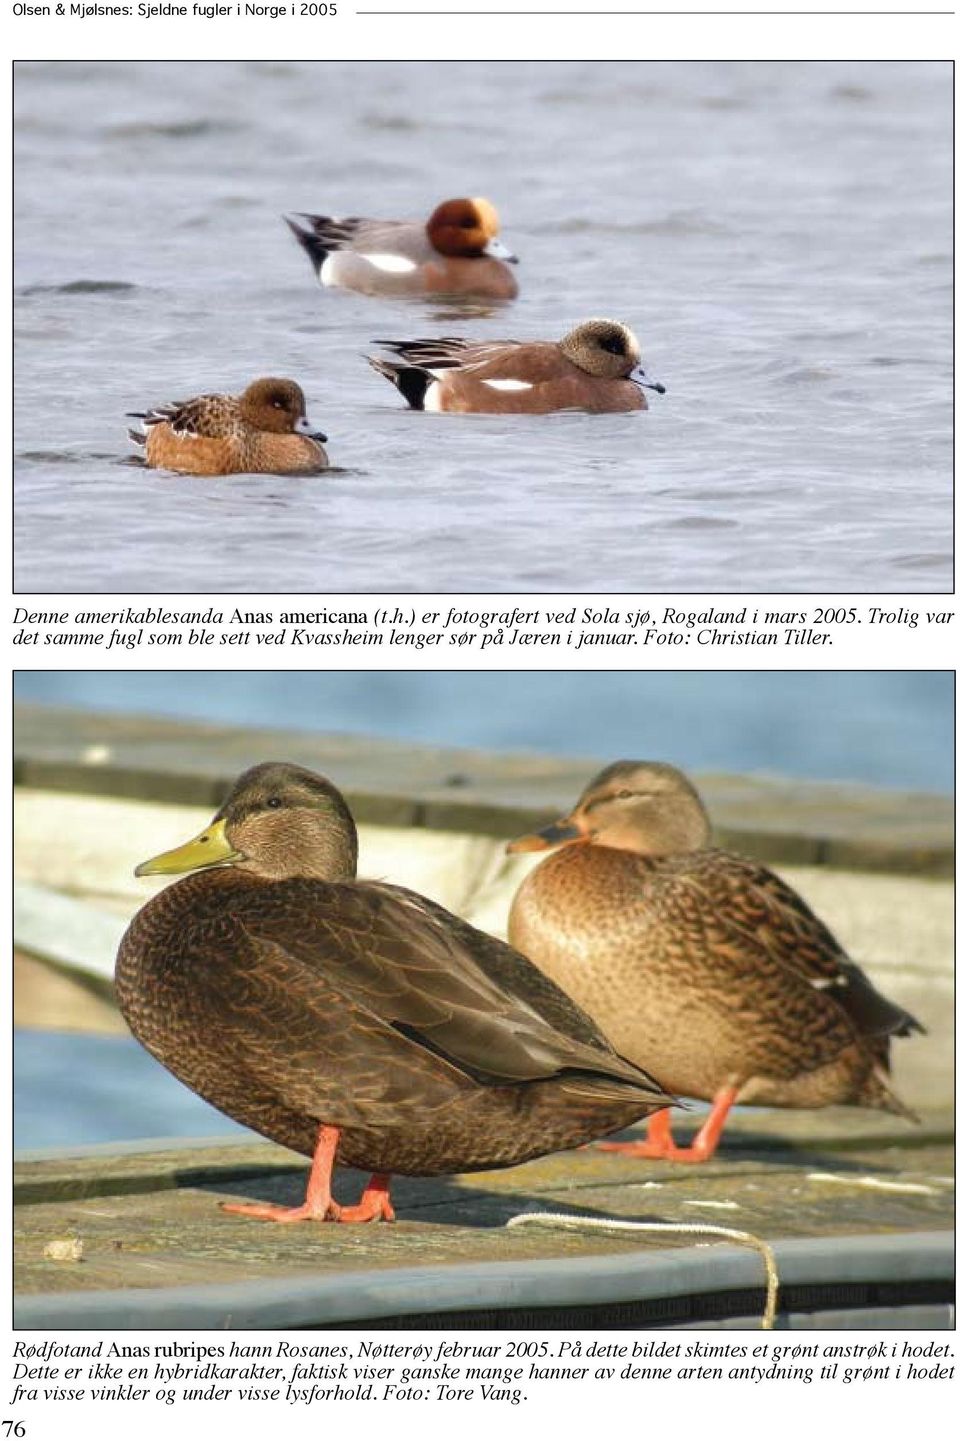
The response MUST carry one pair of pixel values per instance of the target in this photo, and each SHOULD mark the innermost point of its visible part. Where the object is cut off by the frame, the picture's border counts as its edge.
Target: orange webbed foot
(319, 1205)
(660, 1145)
(374, 1204)
(651, 1151)
(286, 1215)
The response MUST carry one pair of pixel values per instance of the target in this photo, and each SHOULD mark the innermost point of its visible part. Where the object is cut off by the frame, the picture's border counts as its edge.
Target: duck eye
(274, 803)
(614, 344)
(278, 405)
(623, 795)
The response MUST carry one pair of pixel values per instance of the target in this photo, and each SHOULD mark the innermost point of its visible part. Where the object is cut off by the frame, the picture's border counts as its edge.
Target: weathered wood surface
(152, 1219)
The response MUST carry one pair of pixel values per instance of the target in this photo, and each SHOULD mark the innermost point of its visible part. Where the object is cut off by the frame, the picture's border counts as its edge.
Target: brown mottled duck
(704, 963)
(353, 1019)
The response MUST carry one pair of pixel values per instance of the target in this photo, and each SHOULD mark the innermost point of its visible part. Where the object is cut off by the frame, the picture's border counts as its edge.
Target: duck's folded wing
(452, 352)
(331, 231)
(203, 415)
(517, 974)
(321, 234)
(765, 916)
(405, 969)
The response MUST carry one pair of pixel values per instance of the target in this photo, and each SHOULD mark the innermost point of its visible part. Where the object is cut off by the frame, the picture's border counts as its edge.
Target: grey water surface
(778, 234)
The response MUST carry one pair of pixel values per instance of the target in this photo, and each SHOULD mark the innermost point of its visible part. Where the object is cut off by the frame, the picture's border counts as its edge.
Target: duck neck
(333, 861)
(307, 846)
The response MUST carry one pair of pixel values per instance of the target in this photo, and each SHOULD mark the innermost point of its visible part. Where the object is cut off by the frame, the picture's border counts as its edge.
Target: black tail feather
(317, 249)
(411, 382)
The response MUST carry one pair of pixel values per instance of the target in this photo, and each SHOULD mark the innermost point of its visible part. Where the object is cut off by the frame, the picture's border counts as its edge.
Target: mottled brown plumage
(704, 963)
(292, 996)
(263, 431)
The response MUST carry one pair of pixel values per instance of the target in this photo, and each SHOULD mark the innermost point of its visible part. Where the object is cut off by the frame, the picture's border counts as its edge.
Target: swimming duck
(264, 430)
(707, 964)
(352, 1019)
(595, 367)
(457, 252)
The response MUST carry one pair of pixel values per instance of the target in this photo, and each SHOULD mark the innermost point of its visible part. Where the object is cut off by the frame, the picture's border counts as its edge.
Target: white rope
(597, 1223)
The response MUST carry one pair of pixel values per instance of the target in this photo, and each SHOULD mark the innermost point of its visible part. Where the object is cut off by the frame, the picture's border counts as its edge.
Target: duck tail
(608, 1088)
(412, 382)
(909, 1025)
(877, 1095)
(622, 1080)
(311, 237)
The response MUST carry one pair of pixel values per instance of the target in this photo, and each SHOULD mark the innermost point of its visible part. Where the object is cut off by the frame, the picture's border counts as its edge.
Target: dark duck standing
(349, 1019)
(706, 964)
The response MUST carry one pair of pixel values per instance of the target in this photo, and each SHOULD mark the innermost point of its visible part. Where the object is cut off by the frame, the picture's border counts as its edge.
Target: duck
(595, 367)
(457, 251)
(708, 964)
(352, 1020)
(263, 431)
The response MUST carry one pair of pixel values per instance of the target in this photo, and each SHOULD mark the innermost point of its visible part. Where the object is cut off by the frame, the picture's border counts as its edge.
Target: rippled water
(779, 235)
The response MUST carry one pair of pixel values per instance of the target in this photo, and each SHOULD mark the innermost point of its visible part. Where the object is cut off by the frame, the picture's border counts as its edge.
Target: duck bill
(303, 427)
(496, 248)
(210, 848)
(639, 377)
(559, 833)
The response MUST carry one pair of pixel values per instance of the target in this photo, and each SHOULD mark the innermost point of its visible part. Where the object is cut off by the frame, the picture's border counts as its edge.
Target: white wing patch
(508, 384)
(392, 264)
(340, 265)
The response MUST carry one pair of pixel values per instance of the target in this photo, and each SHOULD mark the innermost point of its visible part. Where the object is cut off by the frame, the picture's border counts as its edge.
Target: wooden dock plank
(152, 1220)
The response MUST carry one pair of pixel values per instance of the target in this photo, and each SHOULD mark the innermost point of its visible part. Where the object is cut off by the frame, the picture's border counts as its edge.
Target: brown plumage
(595, 367)
(704, 963)
(265, 430)
(293, 996)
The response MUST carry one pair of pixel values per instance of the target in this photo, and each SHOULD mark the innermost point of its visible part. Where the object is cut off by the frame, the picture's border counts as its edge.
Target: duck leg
(660, 1145)
(374, 1204)
(318, 1204)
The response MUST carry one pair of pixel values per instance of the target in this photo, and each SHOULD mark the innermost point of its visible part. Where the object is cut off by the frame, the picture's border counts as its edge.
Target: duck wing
(203, 415)
(452, 352)
(766, 915)
(296, 968)
(515, 973)
(442, 984)
(330, 232)
(321, 235)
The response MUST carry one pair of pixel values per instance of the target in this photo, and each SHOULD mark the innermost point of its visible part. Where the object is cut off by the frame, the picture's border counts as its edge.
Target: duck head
(279, 821)
(641, 806)
(278, 406)
(608, 350)
(468, 228)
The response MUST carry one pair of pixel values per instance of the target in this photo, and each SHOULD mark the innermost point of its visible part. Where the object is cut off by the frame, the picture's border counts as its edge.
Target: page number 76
(14, 1428)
